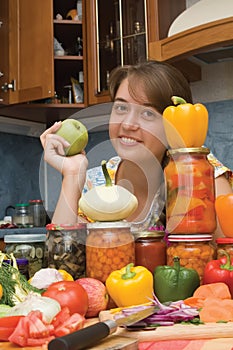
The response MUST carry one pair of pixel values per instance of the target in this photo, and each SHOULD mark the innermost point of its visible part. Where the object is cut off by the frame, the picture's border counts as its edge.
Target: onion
(48, 306)
(165, 315)
(44, 277)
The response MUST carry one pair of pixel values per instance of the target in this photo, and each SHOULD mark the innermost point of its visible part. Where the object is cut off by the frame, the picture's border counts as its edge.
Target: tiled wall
(20, 158)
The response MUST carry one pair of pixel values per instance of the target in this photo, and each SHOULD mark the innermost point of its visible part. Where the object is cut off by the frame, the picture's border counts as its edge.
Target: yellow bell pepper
(185, 125)
(131, 285)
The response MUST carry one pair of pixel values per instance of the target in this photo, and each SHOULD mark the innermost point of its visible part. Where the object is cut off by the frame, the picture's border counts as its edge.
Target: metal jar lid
(65, 227)
(108, 224)
(190, 238)
(200, 150)
(25, 238)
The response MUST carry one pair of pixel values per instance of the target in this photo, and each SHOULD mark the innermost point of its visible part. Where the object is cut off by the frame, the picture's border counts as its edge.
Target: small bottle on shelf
(79, 47)
(81, 79)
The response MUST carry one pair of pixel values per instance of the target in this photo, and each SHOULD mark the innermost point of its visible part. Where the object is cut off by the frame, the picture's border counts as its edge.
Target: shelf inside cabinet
(66, 21)
(67, 57)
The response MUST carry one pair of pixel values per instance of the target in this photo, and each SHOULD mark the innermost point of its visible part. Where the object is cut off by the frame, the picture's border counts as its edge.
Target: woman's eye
(120, 108)
(148, 114)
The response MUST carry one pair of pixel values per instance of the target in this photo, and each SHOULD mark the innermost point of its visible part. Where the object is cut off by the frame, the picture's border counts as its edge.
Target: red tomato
(9, 321)
(70, 294)
(5, 332)
(72, 324)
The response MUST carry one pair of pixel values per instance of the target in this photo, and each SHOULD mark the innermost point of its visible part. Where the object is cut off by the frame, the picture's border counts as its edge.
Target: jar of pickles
(224, 244)
(150, 249)
(65, 248)
(194, 251)
(190, 192)
(109, 247)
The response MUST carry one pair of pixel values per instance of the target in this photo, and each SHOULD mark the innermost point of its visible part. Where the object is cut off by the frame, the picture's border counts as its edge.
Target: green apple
(75, 133)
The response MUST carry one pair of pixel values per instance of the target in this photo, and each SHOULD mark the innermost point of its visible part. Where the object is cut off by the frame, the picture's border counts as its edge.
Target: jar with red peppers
(190, 192)
(150, 249)
(109, 247)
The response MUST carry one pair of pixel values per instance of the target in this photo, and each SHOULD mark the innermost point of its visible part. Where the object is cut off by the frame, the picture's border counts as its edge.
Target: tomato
(70, 294)
(5, 332)
(72, 324)
(9, 321)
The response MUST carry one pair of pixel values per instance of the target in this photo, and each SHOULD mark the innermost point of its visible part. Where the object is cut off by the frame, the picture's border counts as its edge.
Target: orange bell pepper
(224, 211)
(185, 125)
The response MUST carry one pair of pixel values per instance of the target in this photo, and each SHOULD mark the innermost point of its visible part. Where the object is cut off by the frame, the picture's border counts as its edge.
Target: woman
(140, 94)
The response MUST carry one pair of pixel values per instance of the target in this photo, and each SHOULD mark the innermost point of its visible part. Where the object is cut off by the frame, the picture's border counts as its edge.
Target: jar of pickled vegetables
(65, 248)
(109, 247)
(190, 192)
(150, 250)
(224, 244)
(194, 251)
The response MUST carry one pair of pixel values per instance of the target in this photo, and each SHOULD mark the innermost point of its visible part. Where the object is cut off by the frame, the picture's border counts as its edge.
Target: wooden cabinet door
(26, 58)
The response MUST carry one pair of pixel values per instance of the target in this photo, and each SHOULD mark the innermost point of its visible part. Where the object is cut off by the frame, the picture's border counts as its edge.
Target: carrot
(216, 290)
(217, 310)
(194, 302)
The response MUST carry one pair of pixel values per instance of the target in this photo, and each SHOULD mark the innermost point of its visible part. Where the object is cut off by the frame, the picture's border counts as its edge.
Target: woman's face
(136, 130)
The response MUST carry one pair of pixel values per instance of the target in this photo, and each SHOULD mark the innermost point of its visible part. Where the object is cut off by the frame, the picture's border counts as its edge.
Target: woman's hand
(54, 153)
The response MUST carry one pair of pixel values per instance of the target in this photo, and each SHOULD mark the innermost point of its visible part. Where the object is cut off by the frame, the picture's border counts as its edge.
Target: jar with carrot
(190, 192)
(194, 251)
(109, 246)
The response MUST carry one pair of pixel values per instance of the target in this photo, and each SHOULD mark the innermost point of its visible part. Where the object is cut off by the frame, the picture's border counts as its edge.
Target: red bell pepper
(220, 270)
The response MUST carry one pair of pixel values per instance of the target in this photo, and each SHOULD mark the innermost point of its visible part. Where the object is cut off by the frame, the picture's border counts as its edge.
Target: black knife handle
(81, 339)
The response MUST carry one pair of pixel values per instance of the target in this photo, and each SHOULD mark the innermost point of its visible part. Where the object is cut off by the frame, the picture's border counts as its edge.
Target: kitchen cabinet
(29, 70)
(210, 40)
(69, 65)
(123, 36)
(26, 51)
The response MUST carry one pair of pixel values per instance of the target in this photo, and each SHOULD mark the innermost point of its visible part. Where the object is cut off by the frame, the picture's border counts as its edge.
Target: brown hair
(160, 81)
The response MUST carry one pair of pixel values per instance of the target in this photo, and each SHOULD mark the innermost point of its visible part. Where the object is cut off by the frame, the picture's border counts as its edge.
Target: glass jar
(194, 251)
(65, 248)
(30, 247)
(224, 244)
(22, 217)
(190, 192)
(150, 250)
(37, 211)
(110, 246)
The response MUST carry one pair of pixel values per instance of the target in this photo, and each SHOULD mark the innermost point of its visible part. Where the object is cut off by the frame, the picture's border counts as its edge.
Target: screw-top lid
(22, 205)
(224, 240)
(189, 238)
(25, 238)
(200, 150)
(65, 227)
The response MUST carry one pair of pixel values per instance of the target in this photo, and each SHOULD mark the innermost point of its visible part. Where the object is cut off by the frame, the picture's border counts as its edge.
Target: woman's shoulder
(95, 176)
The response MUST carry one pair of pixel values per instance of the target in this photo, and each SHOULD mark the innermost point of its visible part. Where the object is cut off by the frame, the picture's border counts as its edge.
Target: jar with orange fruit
(194, 251)
(190, 192)
(109, 247)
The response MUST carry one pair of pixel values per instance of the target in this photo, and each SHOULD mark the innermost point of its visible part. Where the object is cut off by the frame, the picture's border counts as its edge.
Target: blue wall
(20, 156)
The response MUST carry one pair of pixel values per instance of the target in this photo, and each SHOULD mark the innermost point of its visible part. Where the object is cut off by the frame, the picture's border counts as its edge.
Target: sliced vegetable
(215, 290)
(216, 310)
(48, 306)
(165, 315)
(131, 285)
(109, 202)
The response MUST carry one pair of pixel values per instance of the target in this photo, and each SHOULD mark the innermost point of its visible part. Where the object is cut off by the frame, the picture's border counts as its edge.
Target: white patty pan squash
(108, 202)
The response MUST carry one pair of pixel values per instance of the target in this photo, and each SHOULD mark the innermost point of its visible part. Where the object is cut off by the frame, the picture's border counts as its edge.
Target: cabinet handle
(9, 86)
(1, 74)
(1, 23)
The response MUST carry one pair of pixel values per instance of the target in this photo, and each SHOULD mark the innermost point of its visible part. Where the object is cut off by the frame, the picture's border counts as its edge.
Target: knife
(90, 335)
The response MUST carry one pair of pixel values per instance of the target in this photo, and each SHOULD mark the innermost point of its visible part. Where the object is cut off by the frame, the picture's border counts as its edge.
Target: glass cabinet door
(121, 36)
